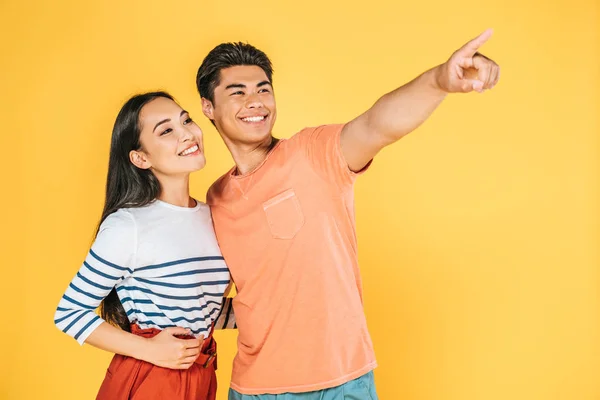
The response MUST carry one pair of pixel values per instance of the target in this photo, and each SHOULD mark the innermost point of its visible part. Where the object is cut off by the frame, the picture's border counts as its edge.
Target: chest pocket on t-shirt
(284, 215)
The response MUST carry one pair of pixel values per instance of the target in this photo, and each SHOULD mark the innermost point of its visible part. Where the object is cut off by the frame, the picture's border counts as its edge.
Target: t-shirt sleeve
(324, 152)
(110, 260)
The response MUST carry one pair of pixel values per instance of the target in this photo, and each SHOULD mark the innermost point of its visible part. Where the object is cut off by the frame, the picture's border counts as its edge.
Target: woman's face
(171, 143)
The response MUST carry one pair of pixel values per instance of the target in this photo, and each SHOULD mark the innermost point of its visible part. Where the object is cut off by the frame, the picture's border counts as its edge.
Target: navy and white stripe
(167, 269)
(226, 317)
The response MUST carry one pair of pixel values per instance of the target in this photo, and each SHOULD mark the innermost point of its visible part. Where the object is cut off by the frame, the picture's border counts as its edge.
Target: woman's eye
(166, 131)
(188, 120)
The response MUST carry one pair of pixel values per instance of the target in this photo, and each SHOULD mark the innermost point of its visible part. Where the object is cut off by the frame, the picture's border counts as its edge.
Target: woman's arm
(164, 349)
(111, 259)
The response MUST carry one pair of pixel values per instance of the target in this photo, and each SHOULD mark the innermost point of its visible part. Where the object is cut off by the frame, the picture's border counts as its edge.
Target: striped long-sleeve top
(166, 266)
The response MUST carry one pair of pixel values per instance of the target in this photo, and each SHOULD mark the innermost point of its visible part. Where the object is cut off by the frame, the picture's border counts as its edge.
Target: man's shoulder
(310, 131)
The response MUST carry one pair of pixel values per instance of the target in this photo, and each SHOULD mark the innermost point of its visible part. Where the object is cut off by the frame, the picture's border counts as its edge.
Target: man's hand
(468, 70)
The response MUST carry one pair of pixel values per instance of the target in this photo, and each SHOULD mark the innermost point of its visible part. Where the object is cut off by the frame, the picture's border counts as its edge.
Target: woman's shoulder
(122, 219)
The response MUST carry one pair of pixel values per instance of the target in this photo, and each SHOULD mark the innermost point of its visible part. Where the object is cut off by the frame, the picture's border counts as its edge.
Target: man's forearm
(401, 111)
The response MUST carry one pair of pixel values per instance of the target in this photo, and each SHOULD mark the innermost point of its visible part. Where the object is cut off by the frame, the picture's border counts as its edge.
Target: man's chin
(254, 135)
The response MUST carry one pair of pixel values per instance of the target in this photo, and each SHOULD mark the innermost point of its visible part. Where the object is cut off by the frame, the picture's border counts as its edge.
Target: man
(284, 218)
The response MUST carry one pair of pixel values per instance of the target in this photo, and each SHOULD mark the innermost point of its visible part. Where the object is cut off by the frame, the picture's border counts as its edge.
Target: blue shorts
(361, 388)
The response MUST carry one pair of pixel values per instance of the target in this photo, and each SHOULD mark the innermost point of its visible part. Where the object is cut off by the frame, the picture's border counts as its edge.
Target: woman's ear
(139, 159)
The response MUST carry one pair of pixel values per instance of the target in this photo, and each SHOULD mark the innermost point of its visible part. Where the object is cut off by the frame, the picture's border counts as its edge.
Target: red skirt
(128, 378)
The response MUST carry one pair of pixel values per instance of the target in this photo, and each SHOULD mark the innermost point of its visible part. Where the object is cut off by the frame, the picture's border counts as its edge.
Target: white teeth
(253, 119)
(189, 151)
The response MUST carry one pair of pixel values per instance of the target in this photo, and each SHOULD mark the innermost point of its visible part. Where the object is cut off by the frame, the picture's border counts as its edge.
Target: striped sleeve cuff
(77, 323)
(226, 318)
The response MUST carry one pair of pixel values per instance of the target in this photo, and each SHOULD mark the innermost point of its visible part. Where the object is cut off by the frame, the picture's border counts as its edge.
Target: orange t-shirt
(287, 232)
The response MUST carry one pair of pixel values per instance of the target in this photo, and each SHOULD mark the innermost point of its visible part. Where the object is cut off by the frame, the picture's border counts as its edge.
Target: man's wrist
(434, 79)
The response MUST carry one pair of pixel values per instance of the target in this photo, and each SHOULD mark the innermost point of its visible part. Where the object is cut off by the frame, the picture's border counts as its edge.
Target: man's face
(243, 109)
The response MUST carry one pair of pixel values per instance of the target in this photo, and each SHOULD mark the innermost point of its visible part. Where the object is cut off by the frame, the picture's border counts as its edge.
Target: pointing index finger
(469, 49)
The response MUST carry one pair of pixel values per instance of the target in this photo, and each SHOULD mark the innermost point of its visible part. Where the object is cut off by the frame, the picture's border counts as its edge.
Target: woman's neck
(176, 191)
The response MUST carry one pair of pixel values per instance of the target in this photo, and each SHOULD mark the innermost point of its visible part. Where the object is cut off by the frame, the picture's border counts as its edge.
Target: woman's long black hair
(126, 184)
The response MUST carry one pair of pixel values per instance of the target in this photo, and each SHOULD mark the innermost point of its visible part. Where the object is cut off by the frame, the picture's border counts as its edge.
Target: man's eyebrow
(236, 85)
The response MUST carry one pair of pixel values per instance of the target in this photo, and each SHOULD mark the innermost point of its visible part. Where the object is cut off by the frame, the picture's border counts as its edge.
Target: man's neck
(247, 158)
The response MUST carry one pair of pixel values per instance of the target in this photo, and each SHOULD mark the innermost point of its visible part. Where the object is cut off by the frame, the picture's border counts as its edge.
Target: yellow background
(478, 234)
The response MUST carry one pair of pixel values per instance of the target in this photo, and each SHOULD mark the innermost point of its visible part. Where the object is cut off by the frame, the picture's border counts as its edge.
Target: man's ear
(139, 159)
(208, 109)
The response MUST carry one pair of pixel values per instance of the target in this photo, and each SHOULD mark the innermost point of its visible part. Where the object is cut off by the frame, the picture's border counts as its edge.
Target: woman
(155, 268)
